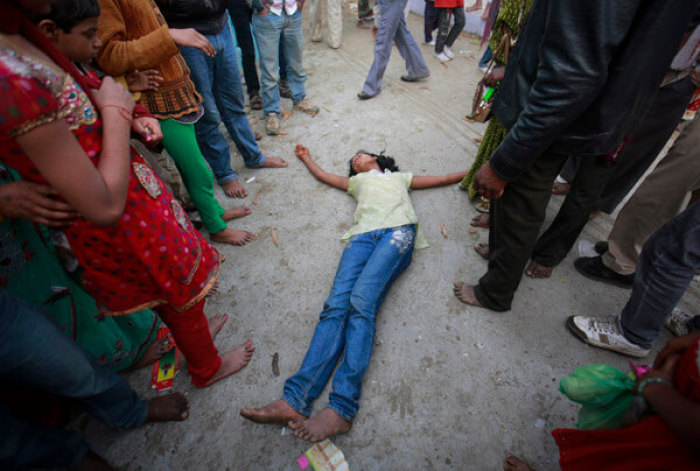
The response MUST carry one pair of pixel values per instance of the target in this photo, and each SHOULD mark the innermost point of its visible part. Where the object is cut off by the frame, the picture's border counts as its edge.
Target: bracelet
(122, 111)
(653, 379)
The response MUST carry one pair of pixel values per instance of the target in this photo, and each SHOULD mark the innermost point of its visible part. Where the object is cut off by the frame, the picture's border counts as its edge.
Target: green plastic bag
(605, 392)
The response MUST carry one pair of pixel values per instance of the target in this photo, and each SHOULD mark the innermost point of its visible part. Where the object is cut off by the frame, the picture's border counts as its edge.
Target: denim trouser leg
(292, 40)
(665, 269)
(34, 352)
(241, 15)
(369, 265)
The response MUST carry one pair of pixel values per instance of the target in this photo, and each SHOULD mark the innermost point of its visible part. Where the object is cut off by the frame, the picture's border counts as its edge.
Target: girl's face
(363, 163)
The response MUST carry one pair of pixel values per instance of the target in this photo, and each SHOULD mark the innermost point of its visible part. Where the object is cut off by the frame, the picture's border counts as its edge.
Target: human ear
(50, 30)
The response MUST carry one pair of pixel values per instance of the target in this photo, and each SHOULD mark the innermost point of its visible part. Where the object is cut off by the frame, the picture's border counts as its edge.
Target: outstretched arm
(336, 181)
(430, 181)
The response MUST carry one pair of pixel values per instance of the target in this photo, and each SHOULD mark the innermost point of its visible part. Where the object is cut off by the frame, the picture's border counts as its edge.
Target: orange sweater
(136, 37)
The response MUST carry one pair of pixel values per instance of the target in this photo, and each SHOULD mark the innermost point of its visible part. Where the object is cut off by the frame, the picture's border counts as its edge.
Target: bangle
(122, 111)
(653, 379)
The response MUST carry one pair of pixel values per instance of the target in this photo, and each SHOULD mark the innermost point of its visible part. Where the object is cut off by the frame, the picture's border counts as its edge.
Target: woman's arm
(98, 193)
(336, 181)
(430, 181)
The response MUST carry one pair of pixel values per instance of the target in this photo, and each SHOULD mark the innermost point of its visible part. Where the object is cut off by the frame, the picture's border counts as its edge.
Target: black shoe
(593, 268)
(600, 247)
(364, 96)
(409, 78)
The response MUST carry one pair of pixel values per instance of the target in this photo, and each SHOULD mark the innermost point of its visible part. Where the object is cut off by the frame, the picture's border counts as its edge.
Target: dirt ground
(449, 386)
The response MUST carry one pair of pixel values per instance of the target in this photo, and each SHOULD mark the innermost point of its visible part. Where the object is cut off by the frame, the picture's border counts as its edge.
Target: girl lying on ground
(379, 249)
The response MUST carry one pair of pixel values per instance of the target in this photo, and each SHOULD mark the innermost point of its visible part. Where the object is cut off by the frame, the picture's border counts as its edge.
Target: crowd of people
(97, 256)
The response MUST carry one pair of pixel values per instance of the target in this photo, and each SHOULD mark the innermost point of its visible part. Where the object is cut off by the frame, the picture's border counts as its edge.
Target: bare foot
(233, 237)
(274, 162)
(155, 350)
(216, 323)
(561, 188)
(232, 362)
(465, 293)
(476, 7)
(234, 189)
(278, 412)
(174, 406)
(93, 462)
(482, 249)
(535, 270)
(236, 212)
(326, 423)
(513, 463)
(482, 220)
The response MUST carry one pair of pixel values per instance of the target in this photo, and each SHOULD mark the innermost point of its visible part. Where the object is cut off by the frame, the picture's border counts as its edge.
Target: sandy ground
(449, 386)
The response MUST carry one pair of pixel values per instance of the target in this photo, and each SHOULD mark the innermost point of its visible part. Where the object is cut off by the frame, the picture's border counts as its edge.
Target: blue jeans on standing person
(665, 268)
(218, 80)
(370, 264)
(271, 30)
(35, 353)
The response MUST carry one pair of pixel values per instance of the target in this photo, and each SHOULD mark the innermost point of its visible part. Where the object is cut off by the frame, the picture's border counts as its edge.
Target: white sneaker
(441, 57)
(448, 52)
(431, 43)
(484, 69)
(604, 332)
(678, 322)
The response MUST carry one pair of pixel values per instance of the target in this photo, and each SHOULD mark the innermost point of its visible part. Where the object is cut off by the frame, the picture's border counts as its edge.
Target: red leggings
(190, 330)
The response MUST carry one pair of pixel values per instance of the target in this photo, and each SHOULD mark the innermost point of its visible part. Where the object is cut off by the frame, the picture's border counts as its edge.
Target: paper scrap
(255, 198)
(250, 179)
(276, 364)
(443, 230)
(586, 249)
(274, 237)
(324, 456)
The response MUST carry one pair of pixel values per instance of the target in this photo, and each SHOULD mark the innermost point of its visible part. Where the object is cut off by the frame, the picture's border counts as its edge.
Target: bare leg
(233, 237)
(465, 293)
(513, 463)
(234, 189)
(166, 408)
(535, 270)
(236, 212)
(274, 162)
(278, 412)
(482, 249)
(234, 361)
(326, 423)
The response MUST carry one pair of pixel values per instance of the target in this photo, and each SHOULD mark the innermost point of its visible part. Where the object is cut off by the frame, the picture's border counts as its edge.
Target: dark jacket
(206, 16)
(583, 73)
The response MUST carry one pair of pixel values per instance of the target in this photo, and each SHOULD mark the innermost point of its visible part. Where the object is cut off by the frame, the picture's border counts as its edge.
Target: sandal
(256, 102)
(483, 205)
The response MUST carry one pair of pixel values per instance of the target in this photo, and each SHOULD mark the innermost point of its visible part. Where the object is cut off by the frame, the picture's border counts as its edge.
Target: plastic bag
(605, 392)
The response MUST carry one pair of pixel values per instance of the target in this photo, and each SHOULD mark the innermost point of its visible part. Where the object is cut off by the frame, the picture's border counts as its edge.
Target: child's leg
(180, 142)
(460, 20)
(443, 27)
(190, 330)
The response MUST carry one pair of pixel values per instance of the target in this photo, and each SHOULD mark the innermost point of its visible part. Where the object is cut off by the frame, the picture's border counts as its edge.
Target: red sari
(649, 445)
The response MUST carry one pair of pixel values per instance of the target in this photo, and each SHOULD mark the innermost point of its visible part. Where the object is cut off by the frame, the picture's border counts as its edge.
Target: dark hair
(384, 161)
(68, 13)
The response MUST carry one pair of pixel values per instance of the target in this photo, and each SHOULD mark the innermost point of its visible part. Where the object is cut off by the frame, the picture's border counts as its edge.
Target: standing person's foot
(307, 107)
(278, 412)
(483, 250)
(274, 162)
(476, 7)
(465, 293)
(513, 463)
(594, 269)
(679, 322)
(234, 189)
(481, 220)
(604, 332)
(285, 91)
(233, 237)
(364, 95)
(410, 78)
(215, 323)
(601, 247)
(448, 52)
(272, 124)
(535, 270)
(174, 406)
(325, 424)
(441, 56)
(431, 42)
(232, 362)
(236, 213)
(256, 102)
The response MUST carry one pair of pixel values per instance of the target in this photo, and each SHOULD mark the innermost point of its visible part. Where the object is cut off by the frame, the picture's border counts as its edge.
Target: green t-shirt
(382, 202)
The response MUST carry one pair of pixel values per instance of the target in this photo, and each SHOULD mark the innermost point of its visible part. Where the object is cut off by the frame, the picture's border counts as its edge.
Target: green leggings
(180, 142)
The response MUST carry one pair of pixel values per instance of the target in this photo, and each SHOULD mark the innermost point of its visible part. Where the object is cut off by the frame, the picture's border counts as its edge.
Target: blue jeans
(664, 270)
(218, 80)
(370, 264)
(270, 31)
(35, 353)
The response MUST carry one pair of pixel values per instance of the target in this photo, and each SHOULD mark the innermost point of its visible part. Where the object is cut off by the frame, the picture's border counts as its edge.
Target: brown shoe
(272, 124)
(306, 106)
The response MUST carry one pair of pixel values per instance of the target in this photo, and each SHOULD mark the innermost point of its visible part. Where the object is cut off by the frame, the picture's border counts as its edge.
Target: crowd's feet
(278, 412)
(153, 353)
(325, 424)
(274, 162)
(233, 237)
(465, 293)
(232, 362)
(234, 189)
(513, 463)
(482, 249)
(236, 213)
(481, 220)
(174, 406)
(535, 270)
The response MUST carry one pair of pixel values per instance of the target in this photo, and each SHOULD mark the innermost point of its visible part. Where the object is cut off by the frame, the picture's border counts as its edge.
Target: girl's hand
(113, 94)
(675, 346)
(191, 38)
(141, 81)
(149, 129)
(302, 152)
(34, 202)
